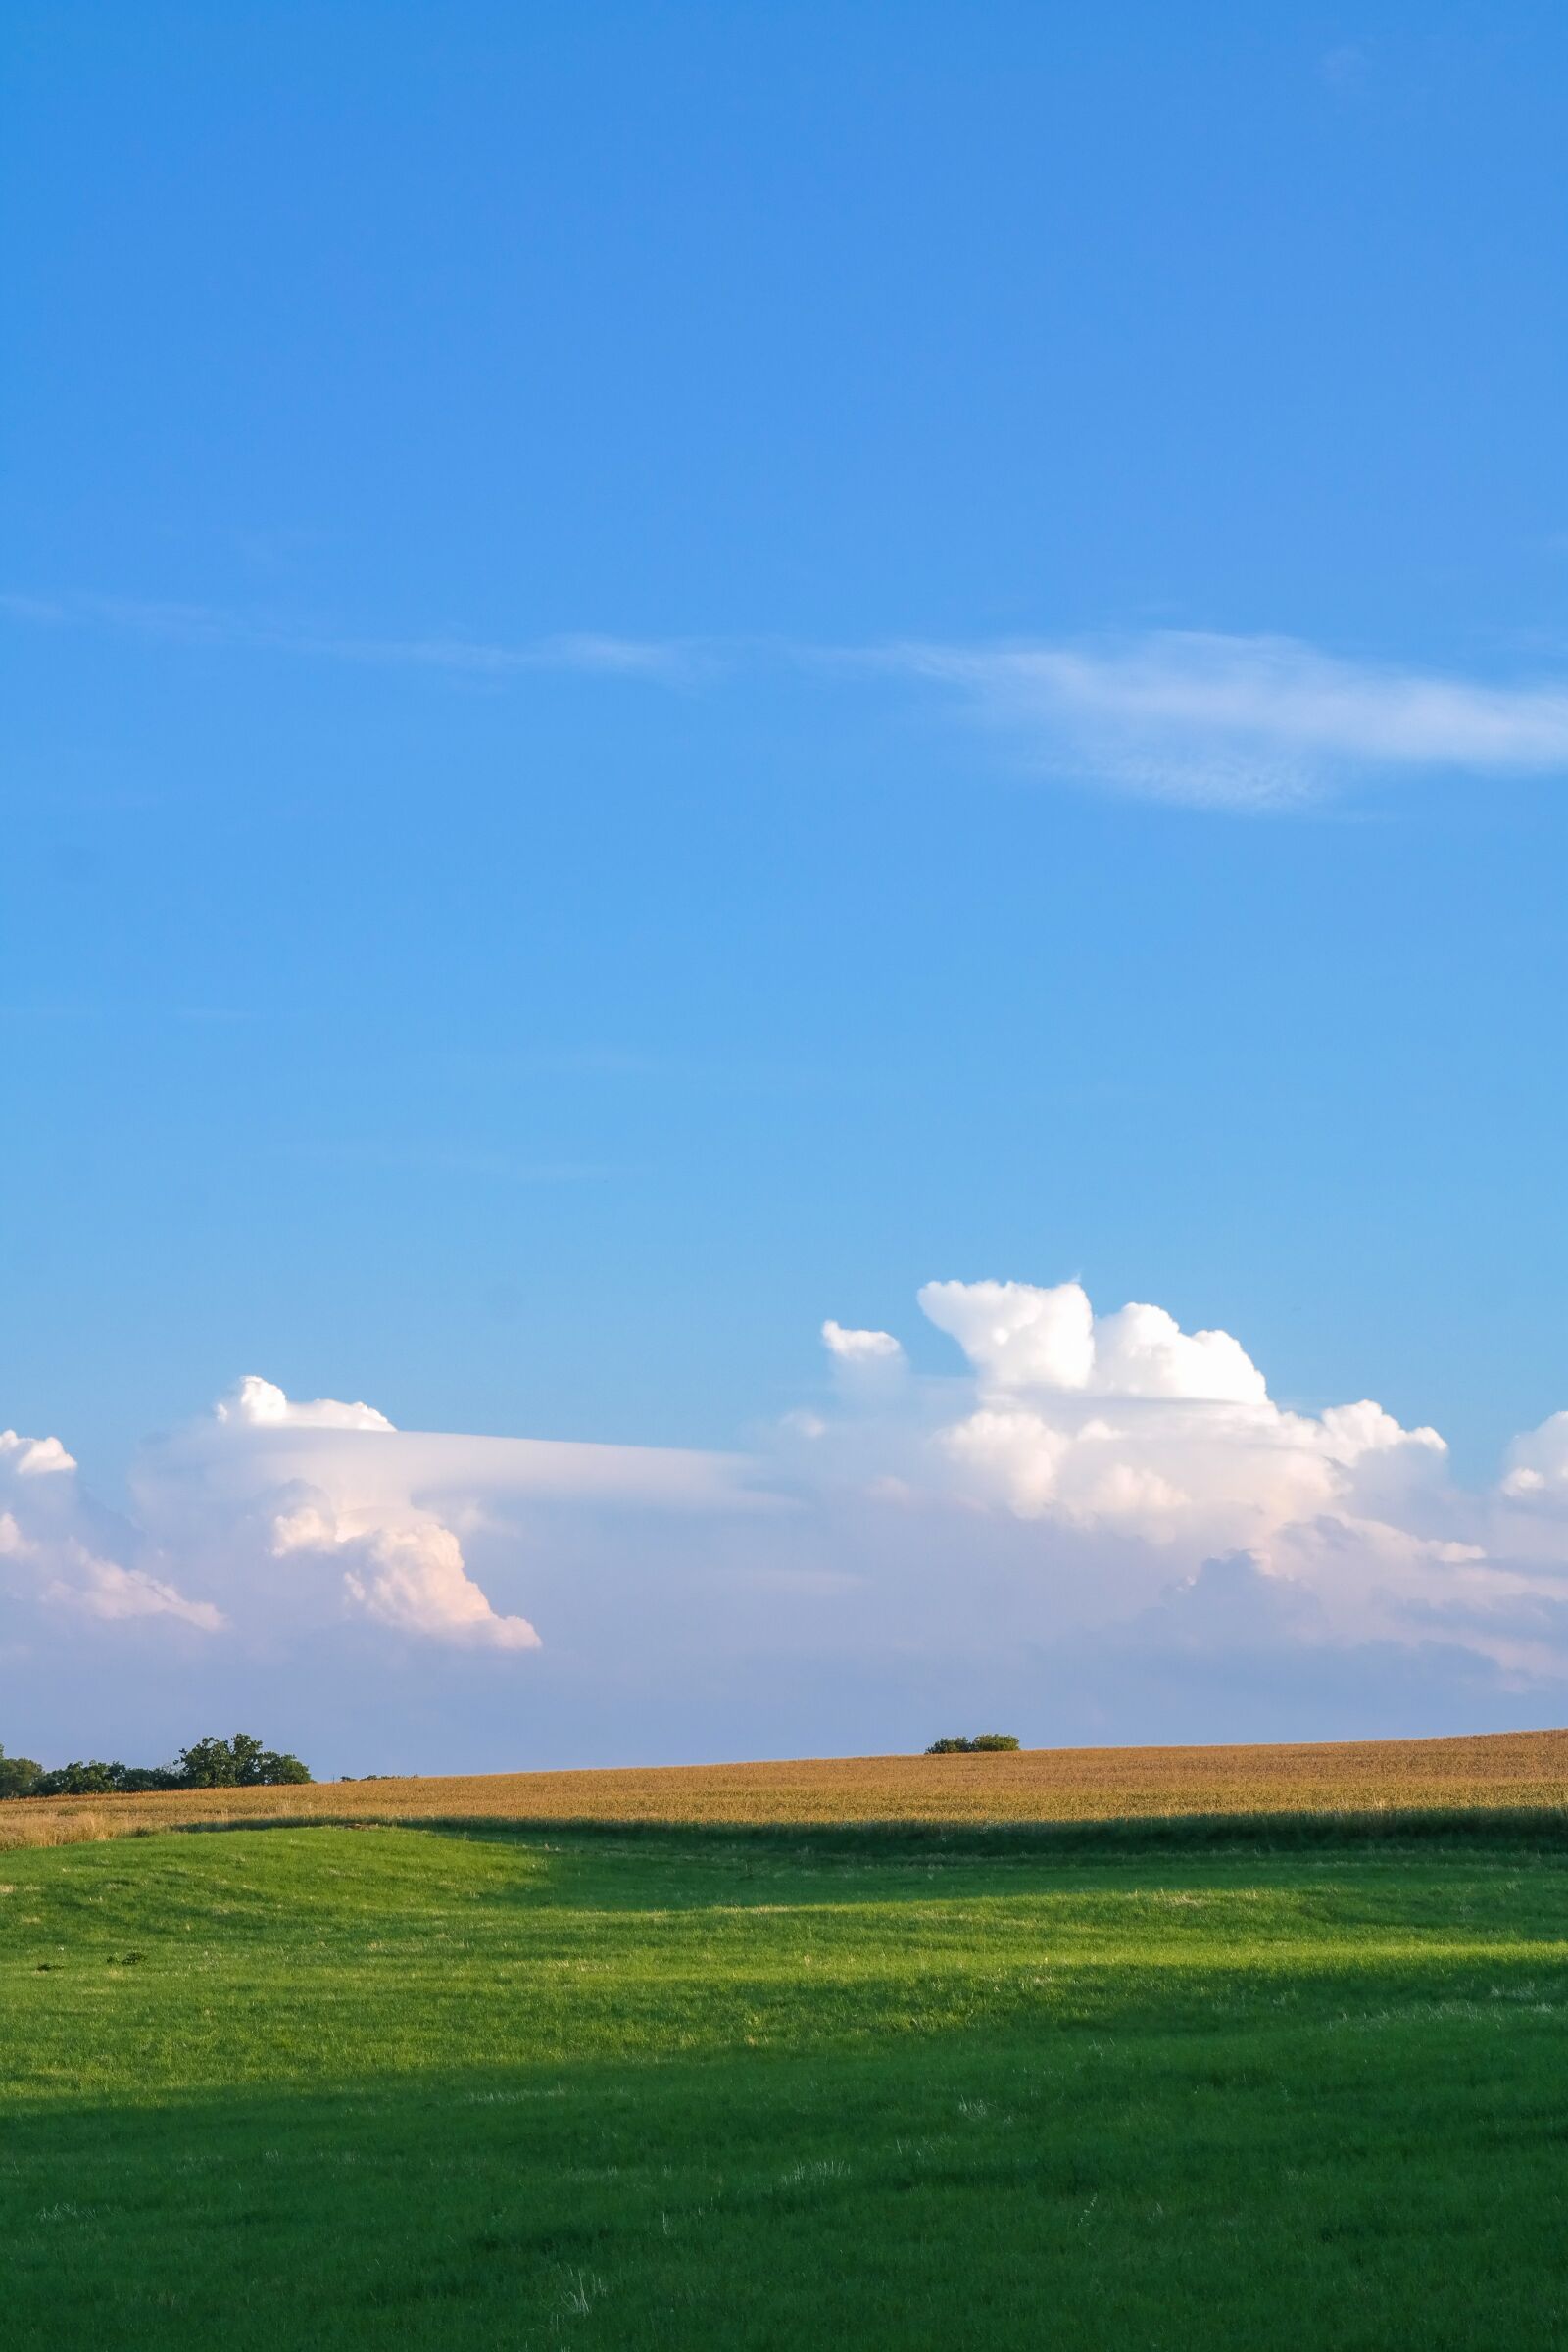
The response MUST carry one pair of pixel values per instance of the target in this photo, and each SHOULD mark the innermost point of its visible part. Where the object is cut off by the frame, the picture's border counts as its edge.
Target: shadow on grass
(1231, 2182)
(1521, 1830)
(1530, 1829)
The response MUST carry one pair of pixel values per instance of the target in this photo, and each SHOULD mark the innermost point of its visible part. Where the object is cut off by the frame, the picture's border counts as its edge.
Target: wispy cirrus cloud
(1244, 723)
(671, 661)
(1241, 722)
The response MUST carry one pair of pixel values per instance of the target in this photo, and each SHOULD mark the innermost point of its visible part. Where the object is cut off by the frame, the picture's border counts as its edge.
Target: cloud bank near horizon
(1094, 1506)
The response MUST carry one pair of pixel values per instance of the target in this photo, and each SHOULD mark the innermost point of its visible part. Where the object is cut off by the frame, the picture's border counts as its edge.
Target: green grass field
(418, 2088)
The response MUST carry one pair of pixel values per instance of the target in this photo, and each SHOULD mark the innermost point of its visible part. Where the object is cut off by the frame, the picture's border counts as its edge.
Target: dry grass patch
(1507, 1769)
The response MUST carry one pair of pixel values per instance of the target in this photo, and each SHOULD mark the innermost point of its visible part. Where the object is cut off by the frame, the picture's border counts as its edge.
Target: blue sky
(671, 669)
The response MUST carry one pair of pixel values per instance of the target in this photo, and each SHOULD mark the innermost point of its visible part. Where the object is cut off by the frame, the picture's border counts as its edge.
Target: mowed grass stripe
(1496, 1771)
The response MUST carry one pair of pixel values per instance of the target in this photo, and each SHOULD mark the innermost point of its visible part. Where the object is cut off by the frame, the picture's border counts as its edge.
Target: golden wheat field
(1038, 1784)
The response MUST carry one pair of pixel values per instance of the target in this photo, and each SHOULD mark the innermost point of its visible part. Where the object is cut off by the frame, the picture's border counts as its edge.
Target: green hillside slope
(352, 2087)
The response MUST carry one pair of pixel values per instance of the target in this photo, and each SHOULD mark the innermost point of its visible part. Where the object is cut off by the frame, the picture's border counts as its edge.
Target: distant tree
(239, 1763)
(214, 1763)
(18, 1775)
(98, 1779)
(92, 1778)
(983, 1743)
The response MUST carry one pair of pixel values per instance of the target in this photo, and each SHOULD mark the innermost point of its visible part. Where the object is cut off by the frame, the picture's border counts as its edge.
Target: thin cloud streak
(670, 662)
(1241, 724)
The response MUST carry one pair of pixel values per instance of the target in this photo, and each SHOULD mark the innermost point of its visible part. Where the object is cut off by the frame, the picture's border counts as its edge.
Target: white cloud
(1209, 718)
(860, 1346)
(1538, 1464)
(55, 1543)
(103, 1588)
(413, 1578)
(255, 1403)
(1126, 1420)
(1018, 1336)
(33, 1457)
(264, 1478)
(309, 1520)
(1101, 1508)
(408, 1576)
(1243, 722)
(403, 1567)
(338, 1491)
(1143, 1351)
(594, 652)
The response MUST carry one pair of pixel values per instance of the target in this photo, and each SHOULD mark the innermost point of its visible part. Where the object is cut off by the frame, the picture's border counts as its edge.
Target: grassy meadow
(485, 2086)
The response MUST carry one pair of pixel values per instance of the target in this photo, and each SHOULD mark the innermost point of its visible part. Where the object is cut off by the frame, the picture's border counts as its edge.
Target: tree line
(239, 1763)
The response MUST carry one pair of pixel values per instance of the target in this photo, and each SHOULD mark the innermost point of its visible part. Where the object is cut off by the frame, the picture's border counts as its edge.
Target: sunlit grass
(353, 2087)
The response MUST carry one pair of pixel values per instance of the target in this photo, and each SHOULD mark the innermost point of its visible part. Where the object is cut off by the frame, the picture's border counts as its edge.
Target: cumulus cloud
(1243, 721)
(860, 1346)
(413, 1578)
(1142, 1454)
(1126, 1419)
(255, 1403)
(347, 1502)
(1101, 1524)
(267, 1479)
(404, 1570)
(1136, 1459)
(57, 1550)
(33, 1457)
(1538, 1464)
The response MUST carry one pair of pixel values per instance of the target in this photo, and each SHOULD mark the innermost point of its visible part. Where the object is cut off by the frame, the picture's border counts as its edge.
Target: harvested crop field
(1507, 1771)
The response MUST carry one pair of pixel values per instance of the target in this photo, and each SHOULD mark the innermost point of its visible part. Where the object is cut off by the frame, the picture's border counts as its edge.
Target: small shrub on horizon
(983, 1743)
